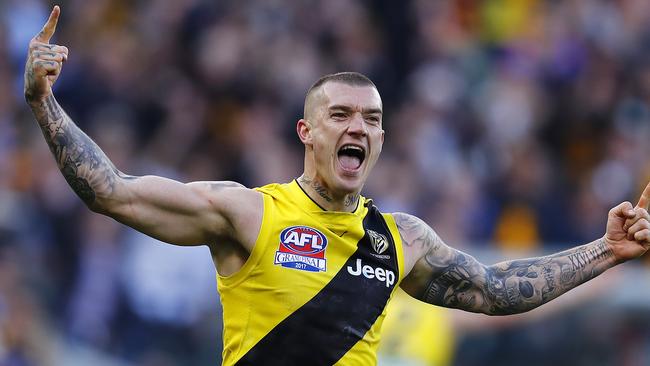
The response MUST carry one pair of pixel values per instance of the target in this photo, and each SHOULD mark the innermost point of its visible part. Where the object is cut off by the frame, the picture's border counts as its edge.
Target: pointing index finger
(644, 201)
(48, 29)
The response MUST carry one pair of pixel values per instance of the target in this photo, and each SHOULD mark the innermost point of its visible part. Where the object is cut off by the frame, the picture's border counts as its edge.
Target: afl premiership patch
(303, 248)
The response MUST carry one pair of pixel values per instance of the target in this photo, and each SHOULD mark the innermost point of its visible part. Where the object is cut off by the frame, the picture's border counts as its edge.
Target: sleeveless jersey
(315, 286)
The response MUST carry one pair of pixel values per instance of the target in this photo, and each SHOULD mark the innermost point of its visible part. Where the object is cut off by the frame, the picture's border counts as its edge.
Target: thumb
(48, 29)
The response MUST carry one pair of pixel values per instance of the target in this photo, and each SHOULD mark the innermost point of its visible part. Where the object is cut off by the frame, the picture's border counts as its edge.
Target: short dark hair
(347, 77)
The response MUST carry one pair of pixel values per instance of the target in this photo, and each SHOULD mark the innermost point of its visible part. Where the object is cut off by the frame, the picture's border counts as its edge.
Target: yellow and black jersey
(315, 287)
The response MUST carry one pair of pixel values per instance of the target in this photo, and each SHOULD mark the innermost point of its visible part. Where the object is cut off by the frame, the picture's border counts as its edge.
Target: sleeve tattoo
(83, 164)
(451, 278)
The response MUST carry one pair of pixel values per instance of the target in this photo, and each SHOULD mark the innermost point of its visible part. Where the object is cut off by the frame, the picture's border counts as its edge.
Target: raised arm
(194, 213)
(447, 277)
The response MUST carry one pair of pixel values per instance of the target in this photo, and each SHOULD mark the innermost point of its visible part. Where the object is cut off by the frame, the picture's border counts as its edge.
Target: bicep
(448, 277)
(440, 275)
(175, 212)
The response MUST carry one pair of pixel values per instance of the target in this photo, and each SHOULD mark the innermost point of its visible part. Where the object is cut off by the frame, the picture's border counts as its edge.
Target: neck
(325, 199)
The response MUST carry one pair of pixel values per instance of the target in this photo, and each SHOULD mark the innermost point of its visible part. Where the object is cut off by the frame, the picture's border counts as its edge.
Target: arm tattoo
(521, 285)
(83, 164)
(448, 277)
(419, 234)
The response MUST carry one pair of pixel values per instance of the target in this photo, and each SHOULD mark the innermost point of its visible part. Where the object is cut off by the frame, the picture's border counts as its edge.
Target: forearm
(521, 285)
(90, 174)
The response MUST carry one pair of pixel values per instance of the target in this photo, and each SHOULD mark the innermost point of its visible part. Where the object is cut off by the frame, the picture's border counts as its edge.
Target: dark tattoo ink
(322, 191)
(83, 165)
(581, 259)
(415, 232)
(351, 200)
(447, 277)
(53, 110)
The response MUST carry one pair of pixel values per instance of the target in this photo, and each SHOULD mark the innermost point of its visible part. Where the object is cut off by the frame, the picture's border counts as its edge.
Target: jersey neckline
(305, 199)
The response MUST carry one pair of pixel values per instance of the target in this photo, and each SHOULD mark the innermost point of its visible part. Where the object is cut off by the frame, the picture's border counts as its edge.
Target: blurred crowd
(510, 124)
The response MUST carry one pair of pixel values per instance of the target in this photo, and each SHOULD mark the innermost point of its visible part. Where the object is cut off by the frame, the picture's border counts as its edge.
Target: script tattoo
(448, 277)
(322, 191)
(83, 164)
(351, 200)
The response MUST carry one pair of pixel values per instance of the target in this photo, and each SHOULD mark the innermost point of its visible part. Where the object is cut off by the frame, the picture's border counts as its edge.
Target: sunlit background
(512, 127)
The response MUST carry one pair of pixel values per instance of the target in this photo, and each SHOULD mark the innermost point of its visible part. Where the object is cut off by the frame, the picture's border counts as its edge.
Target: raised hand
(628, 228)
(44, 61)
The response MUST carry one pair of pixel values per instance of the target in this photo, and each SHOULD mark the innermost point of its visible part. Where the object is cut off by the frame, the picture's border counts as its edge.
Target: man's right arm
(193, 213)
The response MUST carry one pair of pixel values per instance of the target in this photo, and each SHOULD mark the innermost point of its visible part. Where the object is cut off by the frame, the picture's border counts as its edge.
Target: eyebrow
(349, 109)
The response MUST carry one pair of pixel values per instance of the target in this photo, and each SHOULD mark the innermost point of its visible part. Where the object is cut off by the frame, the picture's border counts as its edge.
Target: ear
(303, 128)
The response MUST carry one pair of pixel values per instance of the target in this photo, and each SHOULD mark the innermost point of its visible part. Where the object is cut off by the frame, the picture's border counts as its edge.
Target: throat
(325, 199)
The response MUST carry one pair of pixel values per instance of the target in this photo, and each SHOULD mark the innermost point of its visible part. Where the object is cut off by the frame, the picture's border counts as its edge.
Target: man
(307, 268)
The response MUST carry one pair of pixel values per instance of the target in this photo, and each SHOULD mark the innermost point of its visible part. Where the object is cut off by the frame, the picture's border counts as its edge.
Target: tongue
(349, 162)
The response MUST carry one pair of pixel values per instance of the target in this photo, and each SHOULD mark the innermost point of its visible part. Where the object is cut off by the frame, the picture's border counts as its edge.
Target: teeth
(352, 147)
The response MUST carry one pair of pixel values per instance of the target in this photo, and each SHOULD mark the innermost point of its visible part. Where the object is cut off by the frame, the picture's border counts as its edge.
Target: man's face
(346, 135)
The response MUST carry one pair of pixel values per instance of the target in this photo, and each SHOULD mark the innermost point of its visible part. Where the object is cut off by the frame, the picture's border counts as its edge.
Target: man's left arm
(448, 277)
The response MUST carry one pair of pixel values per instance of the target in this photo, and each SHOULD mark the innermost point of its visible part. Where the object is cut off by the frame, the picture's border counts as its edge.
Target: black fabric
(334, 320)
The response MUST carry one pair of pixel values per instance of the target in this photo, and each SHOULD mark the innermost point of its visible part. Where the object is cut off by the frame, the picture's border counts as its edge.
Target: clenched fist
(44, 61)
(628, 228)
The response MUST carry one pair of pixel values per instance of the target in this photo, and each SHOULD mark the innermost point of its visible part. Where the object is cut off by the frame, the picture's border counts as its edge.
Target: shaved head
(315, 93)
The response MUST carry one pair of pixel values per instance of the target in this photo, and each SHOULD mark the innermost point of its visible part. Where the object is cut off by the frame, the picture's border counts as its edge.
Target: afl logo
(303, 240)
(303, 248)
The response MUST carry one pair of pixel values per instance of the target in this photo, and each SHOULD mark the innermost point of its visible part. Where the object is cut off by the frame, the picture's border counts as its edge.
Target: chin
(350, 184)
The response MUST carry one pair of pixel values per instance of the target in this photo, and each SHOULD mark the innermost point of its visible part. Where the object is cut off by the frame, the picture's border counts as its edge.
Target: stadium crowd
(510, 124)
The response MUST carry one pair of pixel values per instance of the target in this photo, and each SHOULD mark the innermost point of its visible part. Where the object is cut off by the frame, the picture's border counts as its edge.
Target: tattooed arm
(444, 276)
(178, 213)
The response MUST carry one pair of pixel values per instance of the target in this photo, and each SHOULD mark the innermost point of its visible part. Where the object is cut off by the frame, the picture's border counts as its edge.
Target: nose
(357, 125)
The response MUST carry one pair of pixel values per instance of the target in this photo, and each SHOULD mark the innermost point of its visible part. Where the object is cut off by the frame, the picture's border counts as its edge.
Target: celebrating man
(306, 268)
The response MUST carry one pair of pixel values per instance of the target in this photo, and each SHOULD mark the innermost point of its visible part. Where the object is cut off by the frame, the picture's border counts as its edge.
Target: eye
(373, 120)
(338, 115)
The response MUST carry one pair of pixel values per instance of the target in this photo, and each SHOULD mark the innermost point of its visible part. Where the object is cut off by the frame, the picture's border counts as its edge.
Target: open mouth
(351, 157)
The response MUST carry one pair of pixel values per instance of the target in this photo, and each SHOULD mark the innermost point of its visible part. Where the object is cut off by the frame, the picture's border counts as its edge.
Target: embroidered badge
(378, 241)
(303, 248)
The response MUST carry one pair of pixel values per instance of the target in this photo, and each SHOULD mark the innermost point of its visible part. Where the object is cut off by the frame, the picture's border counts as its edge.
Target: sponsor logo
(380, 274)
(379, 243)
(302, 247)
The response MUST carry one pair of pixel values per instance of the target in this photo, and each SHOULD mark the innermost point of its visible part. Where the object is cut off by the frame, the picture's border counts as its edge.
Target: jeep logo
(384, 275)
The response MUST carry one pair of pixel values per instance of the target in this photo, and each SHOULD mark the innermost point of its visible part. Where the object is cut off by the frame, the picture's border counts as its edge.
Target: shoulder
(418, 238)
(413, 230)
(240, 206)
(225, 191)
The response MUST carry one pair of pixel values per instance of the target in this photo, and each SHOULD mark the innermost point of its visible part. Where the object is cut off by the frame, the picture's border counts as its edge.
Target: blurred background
(512, 127)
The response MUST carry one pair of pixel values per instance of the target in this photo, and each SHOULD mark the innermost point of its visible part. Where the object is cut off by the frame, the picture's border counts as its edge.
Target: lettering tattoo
(350, 199)
(580, 260)
(322, 191)
(448, 277)
(83, 164)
